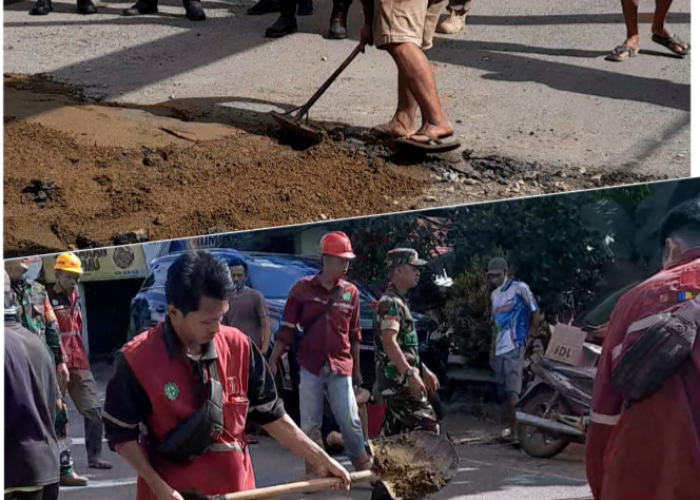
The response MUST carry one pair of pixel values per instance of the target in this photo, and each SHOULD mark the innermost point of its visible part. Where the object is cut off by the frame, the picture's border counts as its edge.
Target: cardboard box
(566, 345)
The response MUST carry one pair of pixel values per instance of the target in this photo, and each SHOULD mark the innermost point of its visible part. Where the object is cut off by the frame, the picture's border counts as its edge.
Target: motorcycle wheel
(536, 442)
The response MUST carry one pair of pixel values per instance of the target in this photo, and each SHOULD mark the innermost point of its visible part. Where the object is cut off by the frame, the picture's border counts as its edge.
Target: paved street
(488, 472)
(527, 79)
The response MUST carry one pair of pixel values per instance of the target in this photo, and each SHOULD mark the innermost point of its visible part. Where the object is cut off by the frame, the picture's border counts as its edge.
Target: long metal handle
(311, 486)
(305, 108)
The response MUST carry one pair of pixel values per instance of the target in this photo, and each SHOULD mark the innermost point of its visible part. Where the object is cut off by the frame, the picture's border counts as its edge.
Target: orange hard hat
(337, 244)
(68, 262)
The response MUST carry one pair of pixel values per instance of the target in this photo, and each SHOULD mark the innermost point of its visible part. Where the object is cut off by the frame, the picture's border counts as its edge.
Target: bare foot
(433, 133)
(395, 129)
(632, 42)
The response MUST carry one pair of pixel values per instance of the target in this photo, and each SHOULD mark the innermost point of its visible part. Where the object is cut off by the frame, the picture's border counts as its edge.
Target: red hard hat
(338, 245)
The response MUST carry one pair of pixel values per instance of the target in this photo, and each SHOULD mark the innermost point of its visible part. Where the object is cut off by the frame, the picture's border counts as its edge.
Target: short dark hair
(237, 261)
(682, 222)
(194, 275)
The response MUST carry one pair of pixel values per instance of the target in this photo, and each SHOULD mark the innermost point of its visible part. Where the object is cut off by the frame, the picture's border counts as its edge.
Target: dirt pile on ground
(81, 175)
(63, 192)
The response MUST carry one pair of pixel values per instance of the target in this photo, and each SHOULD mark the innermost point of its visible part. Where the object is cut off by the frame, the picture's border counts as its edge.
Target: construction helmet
(68, 262)
(337, 244)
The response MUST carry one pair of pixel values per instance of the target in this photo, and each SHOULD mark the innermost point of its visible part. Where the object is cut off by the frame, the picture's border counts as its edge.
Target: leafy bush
(468, 313)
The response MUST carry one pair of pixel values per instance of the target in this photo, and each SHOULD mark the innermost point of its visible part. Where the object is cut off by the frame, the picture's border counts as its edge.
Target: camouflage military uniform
(37, 316)
(404, 413)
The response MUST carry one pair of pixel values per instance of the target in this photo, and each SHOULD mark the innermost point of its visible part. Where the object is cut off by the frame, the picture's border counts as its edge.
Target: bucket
(375, 419)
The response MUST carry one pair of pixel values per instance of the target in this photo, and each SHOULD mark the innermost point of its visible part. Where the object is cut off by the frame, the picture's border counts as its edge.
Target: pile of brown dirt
(81, 175)
(152, 179)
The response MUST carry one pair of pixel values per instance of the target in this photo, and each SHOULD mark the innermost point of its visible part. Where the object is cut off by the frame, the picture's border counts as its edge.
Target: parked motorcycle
(555, 408)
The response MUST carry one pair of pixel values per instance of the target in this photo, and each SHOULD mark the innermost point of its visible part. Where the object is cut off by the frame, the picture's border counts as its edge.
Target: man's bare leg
(629, 11)
(658, 26)
(414, 65)
(403, 122)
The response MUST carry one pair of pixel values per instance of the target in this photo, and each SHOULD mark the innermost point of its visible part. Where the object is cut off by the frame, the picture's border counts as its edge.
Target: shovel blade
(298, 129)
(414, 465)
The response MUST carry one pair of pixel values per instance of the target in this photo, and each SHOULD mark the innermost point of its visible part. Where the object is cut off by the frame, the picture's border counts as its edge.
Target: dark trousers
(49, 492)
(288, 7)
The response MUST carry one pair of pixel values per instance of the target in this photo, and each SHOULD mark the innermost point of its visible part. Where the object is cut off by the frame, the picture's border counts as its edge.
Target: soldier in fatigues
(403, 381)
(37, 316)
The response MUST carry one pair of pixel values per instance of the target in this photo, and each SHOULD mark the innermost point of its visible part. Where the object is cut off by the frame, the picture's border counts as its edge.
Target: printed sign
(105, 264)
(566, 345)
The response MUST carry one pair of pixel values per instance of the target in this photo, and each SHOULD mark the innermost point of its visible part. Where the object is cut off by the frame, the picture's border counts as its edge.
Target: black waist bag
(194, 436)
(656, 356)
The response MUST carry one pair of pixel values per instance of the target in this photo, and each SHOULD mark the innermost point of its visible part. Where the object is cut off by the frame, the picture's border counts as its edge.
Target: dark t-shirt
(246, 312)
(31, 446)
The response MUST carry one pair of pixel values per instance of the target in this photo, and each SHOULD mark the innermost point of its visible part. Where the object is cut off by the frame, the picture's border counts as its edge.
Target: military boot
(86, 7)
(42, 8)
(142, 8)
(194, 10)
(286, 24)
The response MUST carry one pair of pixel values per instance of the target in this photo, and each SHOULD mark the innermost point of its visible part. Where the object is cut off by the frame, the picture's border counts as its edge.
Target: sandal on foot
(434, 144)
(618, 53)
(671, 40)
(381, 133)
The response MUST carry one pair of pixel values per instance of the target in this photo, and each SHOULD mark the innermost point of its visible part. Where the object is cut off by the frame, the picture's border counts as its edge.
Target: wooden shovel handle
(311, 486)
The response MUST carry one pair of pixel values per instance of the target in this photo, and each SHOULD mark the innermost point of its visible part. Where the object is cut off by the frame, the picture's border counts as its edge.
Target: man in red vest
(192, 383)
(81, 383)
(650, 450)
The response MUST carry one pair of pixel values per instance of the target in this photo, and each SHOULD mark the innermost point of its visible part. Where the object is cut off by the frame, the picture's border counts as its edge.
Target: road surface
(526, 80)
(488, 472)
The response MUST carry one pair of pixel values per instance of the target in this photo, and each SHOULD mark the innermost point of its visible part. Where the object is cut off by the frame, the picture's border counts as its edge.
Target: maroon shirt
(328, 339)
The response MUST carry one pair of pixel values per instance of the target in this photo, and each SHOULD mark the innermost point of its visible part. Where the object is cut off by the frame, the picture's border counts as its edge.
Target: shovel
(292, 123)
(409, 466)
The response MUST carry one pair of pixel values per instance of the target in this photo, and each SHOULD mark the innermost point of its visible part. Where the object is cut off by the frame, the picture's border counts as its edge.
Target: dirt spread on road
(81, 175)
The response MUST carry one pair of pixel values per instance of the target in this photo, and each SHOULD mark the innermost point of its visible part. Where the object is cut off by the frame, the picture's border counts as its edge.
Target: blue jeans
(341, 397)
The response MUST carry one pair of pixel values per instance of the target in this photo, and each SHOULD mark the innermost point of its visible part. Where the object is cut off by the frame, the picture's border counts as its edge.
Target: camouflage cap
(400, 256)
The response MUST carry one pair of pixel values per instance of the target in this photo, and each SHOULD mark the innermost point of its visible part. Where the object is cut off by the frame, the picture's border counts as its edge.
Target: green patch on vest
(347, 296)
(171, 391)
(54, 302)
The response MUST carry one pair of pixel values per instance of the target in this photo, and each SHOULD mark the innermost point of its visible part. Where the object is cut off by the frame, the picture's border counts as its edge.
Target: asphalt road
(488, 472)
(527, 79)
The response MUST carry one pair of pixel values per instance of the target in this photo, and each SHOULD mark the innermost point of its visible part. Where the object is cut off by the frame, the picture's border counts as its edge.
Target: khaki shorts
(401, 21)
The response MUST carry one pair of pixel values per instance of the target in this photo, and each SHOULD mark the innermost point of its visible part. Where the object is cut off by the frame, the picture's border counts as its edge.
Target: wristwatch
(409, 373)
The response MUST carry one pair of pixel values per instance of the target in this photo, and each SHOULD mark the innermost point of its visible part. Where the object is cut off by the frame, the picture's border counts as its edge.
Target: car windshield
(275, 279)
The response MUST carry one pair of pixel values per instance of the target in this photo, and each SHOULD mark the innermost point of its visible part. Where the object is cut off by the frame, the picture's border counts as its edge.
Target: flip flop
(618, 53)
(669, 41)
(435, 145)
(383, 134)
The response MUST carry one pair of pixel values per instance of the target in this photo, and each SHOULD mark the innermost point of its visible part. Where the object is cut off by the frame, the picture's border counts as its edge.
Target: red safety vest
(171, 387)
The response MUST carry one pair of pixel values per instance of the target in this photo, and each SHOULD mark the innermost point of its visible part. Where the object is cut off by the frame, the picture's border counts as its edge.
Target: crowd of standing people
(183, 394)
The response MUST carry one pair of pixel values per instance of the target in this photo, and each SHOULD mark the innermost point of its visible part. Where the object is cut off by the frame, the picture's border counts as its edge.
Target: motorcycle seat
(576, 372)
